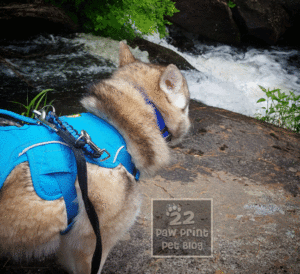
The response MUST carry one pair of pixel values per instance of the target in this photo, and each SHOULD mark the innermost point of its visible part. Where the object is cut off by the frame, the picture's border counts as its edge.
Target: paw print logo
(172, 210)
(179, 217)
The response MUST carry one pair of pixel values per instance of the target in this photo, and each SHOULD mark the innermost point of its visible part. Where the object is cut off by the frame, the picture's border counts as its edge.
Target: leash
(83, 140)
(78, 144)
(82, 179)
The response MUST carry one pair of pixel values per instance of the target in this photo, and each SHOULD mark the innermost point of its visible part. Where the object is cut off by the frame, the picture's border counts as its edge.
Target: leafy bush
(283, 111)
(111, 18)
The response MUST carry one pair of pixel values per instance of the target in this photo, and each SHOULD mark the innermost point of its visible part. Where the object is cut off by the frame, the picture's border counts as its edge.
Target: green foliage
(285, 112)
(111, 18)
(231, 4)
(35, 103)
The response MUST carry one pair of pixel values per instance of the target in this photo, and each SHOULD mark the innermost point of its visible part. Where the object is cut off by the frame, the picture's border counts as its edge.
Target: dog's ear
(125, 56)
(89, 102)
(171, 82)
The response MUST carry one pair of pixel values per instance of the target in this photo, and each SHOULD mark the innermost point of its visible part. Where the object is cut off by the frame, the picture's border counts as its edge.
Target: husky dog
(30, 226)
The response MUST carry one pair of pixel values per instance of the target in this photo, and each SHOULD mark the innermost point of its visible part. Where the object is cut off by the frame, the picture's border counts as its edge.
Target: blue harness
(52, 164)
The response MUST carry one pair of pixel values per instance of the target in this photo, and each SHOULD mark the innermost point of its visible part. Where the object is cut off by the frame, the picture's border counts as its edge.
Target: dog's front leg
(76, 251)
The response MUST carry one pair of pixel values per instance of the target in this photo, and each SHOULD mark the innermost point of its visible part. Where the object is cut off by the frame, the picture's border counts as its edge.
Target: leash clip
(89, 141)
(41, 116)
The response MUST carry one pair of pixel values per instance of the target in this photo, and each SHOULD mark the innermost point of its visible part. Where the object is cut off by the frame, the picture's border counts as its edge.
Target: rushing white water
(230, 78)
(227, 77)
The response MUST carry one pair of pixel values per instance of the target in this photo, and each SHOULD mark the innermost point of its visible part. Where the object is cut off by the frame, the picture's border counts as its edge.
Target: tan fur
(30, 226)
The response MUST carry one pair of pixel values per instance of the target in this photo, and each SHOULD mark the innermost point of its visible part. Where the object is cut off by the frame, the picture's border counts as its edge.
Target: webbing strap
(18, 116)
(90, 210)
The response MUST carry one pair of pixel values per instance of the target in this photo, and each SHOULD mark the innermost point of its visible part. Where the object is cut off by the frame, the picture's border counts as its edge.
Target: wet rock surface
(251, 170)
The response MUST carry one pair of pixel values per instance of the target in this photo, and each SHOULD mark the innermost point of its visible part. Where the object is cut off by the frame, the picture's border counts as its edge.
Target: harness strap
(18, 116)
(90, 210)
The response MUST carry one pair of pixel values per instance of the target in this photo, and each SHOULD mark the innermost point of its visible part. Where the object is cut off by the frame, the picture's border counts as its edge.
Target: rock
(208, 18)
(258, 21)
(179, 38)
(21, 21)
(246, 147)
(266, 20)
(160, 54)
(292, 169)
(293, 9)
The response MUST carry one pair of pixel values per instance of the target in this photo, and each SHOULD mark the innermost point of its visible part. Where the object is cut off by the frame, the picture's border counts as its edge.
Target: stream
(227, 77)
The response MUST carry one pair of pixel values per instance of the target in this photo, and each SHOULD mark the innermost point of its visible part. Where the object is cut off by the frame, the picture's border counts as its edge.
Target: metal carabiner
(89, 141)
(41, 116)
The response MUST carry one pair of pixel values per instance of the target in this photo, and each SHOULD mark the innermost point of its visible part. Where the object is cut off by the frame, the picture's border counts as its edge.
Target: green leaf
(271, 111)
(261, 100)
(35, 102)
(269, 93)
(231, 4)
(262, 88)
(274, 97)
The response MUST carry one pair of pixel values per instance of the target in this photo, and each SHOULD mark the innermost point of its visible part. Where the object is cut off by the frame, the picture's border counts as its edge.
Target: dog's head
(168, 90)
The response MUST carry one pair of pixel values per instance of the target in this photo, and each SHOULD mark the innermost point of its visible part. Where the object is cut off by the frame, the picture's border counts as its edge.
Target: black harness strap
(90, 210)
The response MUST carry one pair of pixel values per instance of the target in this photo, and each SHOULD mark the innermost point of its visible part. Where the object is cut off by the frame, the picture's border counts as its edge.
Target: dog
(30, 226)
